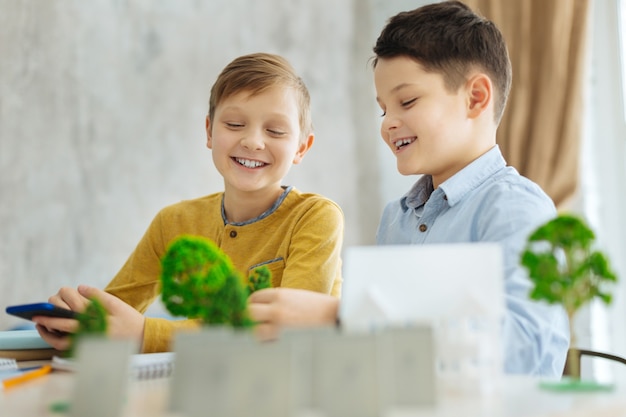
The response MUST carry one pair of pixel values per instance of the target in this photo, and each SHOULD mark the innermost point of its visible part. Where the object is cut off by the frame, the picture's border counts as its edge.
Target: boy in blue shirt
(442, 76)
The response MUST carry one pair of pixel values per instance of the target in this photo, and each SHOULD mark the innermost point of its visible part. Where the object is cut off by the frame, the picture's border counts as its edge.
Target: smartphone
(28, 311)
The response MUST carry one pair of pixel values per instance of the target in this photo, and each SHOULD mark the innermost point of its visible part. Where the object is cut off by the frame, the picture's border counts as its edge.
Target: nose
(253, 140)
(389, 122)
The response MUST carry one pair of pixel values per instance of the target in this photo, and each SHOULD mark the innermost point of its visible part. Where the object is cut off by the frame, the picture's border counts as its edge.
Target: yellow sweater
(299, 239)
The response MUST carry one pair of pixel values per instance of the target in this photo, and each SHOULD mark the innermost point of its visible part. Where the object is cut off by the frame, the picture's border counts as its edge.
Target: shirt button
(423, 227)
(233, 233)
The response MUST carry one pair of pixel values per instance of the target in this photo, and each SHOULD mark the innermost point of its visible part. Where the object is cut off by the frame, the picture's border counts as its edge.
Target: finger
(54, 339)
(108, 301)
(260, 312)
(72, 299)
(58, 301)
(56, 324)
(266, 332)
(266, 295)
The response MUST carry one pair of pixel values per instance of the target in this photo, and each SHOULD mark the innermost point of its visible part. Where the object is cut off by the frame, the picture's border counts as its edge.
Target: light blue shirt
(489, 202)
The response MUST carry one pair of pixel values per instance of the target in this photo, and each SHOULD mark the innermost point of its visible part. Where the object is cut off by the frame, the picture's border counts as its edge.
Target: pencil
(26, 376)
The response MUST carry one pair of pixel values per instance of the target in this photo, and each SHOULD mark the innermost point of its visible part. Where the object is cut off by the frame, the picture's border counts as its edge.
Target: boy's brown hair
(451, 39)
(255, 73)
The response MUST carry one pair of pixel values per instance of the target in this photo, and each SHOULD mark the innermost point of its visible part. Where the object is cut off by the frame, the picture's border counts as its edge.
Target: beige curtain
(542, 126)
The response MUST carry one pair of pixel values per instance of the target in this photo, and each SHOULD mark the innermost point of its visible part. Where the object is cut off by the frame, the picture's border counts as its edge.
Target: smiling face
(255, 139)
(426, 126)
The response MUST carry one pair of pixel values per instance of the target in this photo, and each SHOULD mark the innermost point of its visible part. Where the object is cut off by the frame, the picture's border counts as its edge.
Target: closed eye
(234, 125)
(408, 102)
(276, 132)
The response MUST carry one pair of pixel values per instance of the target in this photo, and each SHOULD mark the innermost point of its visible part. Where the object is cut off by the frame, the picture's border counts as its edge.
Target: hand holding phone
(28, 311)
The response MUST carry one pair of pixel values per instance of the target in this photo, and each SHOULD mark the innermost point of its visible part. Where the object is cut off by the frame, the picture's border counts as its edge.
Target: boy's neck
(481, 144)
(243, 206)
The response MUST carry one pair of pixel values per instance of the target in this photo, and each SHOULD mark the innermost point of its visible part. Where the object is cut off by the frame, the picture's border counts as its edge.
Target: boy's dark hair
(257, 72)
(451, 39)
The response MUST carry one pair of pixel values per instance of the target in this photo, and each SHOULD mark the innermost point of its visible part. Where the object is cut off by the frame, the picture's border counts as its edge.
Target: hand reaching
(275, 308)
(123, 321)
(55, 330)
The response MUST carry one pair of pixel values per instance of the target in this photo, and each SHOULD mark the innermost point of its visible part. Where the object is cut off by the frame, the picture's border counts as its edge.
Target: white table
(515, 397)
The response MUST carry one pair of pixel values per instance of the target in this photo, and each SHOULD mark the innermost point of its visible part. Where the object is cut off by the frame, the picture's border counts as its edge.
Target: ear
(303, 148)
(209, 139)
(479, 95)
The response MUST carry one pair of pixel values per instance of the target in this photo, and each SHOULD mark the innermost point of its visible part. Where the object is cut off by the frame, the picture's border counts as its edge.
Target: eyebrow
(236, 108)
(396, 89)
(231, 108)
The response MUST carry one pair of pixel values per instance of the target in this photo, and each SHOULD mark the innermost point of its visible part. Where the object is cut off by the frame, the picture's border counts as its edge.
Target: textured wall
(102, 107)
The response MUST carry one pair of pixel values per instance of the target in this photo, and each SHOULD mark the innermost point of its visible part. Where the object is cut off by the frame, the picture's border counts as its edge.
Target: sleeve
(138, 284)
(314, 261)
(535, 334)
(159, 333)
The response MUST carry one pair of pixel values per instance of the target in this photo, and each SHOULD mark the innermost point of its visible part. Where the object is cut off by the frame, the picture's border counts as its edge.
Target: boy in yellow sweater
(258, 126)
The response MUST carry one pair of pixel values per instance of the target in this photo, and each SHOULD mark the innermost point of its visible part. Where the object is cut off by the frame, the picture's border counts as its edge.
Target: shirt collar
(418, 194)
(269, 211)
(461, 183)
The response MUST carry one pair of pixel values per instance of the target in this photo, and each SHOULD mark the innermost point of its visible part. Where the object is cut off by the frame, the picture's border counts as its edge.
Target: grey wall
(102, 107)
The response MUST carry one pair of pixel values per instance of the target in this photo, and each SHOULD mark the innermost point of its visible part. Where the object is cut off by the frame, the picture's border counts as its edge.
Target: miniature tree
(566, 270)
(91, 322)
(260, 278)
(199, 281)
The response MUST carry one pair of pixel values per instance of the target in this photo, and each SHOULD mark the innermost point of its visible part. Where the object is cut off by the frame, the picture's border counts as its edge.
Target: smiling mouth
(401, 143)
(249, 163)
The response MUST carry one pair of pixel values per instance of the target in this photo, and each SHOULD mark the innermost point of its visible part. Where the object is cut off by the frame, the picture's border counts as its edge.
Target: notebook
(8, 368)
(401, 284)
(142, 365)
(8, 364)
(22, 339)
(24, 345)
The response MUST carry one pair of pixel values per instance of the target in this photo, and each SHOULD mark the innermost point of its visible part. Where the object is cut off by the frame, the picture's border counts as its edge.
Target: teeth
(401, 142)
(249, 163)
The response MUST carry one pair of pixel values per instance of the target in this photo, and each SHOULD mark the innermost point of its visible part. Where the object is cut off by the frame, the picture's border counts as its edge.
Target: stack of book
(25, 345)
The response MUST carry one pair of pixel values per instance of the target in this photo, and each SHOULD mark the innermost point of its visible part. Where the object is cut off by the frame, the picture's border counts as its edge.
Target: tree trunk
(573, 356)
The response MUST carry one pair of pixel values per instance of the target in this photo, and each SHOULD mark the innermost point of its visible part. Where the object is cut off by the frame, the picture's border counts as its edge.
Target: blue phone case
(28, 311)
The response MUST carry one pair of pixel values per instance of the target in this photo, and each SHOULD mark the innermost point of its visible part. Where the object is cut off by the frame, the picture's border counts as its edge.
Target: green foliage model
(565, 269)
(199, 281)
(260, 278)
(91, 322)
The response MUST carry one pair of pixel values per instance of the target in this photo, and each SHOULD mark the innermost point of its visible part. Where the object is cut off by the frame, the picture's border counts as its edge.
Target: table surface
(513, 397)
